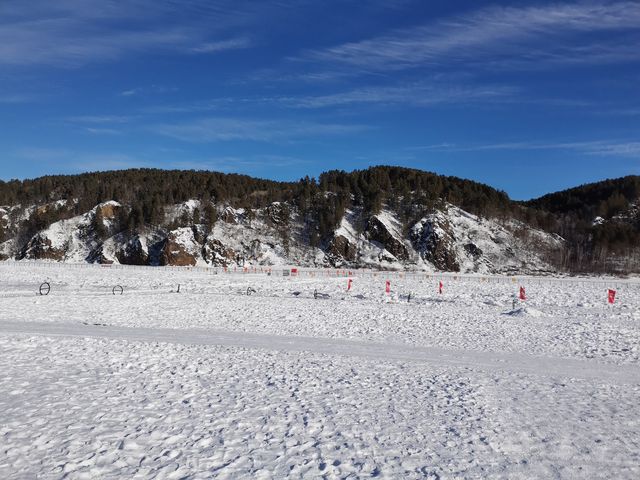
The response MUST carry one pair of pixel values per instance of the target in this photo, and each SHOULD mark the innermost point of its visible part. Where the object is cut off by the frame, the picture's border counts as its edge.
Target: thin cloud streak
(151, 89)
(415, 95)
(71, 33)
(77, 161)
(497, 35)
(235, 164)
(100, 119)
(598, 147)
(103, 131)
(222, 45)
(216, 129)
(15, 99)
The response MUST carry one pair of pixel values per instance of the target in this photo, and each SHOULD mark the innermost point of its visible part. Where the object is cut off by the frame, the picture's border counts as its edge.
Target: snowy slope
(364, 246)
(449, 239)
(474, 244)
(71, 240)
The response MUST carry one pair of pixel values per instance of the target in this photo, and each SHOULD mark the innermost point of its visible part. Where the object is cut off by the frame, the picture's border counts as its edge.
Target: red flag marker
(440, 287)
(349, 285)
(611, 297)
(523, 294)
(388, 287)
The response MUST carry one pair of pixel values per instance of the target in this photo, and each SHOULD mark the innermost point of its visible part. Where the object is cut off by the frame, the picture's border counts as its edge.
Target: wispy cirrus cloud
(239, 164)
(69, 43)
(75, 32)
(16, 98)
(103, 131)
(100, 119)
(100, 124)
(610, 148)
(495, 36)
(151, 90)
(79, 161)
(221, 45)
(419, 94)
(217, 129)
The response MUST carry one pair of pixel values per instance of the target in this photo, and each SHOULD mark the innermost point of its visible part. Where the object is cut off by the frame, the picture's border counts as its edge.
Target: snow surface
(212, 382)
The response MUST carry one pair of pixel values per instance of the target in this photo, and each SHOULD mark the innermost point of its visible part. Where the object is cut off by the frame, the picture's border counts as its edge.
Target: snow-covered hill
(448, 239)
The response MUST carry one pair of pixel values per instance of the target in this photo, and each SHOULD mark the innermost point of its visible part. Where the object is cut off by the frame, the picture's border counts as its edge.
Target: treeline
(408, 192)
(604, 199)
(145, 186)
(322, 202)
(596, 244)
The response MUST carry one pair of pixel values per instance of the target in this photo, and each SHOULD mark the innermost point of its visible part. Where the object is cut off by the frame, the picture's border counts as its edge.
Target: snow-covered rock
(454, 240)
(7, 249)
(134, 248)
(217, 254)
(434, 239)
(384, 229)
(74, 239)
(181, 248)
(448, 239)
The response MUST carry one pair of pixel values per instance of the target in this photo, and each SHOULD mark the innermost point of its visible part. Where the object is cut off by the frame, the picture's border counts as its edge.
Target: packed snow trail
(486, 361)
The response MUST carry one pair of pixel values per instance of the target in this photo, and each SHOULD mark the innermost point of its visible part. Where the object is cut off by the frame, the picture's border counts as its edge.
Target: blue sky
(530, 97)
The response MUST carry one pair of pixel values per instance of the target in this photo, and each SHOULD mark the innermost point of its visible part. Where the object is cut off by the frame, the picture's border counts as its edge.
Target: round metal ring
(45, 288)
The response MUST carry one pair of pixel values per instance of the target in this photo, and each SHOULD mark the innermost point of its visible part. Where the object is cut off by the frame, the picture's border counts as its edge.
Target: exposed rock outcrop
(180, 248)
(448, 240)
(217, 254)
(434, 240)
(40, 247)
(377, 231)
(277, 214)
(229, 215)
(340, 251)
(473, 250)
(134, 251)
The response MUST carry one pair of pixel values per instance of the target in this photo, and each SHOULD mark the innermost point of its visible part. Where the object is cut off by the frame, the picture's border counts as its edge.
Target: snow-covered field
(212, 382)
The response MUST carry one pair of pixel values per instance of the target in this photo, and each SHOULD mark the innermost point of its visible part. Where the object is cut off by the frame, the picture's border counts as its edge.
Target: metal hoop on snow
(117, 288)
(44, 289)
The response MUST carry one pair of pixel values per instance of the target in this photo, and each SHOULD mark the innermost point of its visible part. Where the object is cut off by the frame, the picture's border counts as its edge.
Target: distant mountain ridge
(382, 217)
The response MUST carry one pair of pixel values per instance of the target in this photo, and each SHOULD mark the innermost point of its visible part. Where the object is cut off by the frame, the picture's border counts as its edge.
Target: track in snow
(483, 360)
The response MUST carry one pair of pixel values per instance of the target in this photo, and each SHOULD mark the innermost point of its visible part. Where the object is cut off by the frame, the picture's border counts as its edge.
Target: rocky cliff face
(434, 239)
(41, 247)
(181, 248)
(378, 231)
(340, 251)
(217, 254)
(449, 240)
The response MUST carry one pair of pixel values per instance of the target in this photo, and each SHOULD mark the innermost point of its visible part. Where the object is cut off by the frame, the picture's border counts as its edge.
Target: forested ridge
(600, 222)
(322, 202)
